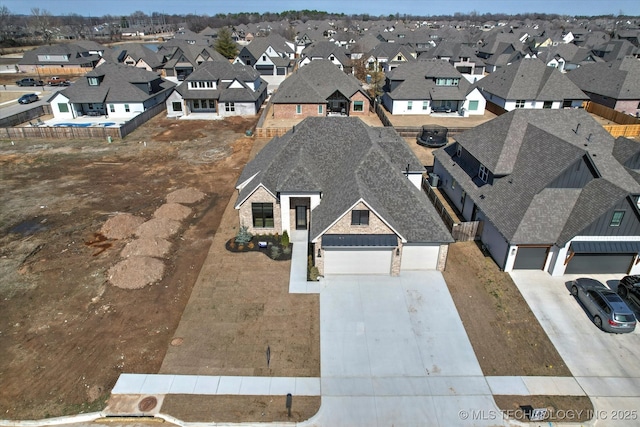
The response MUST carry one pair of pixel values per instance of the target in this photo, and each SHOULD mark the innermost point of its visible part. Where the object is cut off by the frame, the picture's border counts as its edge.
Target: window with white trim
(483, 173)
(520, 103)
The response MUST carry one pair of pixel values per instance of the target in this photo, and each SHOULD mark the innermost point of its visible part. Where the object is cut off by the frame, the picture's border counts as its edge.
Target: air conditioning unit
(434, 179)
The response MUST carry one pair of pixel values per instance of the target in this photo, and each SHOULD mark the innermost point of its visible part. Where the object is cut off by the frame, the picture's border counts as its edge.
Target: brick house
(319, 89)
(354, 189)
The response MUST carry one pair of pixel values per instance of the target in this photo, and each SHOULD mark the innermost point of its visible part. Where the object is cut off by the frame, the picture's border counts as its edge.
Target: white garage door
(357, 261)
(419, 258)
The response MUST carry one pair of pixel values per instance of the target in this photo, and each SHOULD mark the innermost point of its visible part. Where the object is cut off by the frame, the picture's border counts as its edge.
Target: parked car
(28, 81)
(606, 308)
(58, 81)
(28, 98)
(432, 136)
(629, 288)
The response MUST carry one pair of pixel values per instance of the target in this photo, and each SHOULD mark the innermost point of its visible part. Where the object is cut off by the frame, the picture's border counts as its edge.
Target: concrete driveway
(394, 352)
(606, 366)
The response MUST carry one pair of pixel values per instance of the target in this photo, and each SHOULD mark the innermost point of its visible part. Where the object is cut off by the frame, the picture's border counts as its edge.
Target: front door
(301, 217)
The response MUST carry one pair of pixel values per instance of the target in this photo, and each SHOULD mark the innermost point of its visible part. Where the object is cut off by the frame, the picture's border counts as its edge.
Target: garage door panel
(530, 258)
(419, 258)
(600, 264)
(360, 261)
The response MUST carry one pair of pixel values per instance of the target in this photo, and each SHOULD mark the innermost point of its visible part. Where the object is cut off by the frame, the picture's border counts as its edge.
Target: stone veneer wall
(246, 217)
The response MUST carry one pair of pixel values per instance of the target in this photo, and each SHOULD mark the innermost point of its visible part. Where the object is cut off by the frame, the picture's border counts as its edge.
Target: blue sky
(371, 7)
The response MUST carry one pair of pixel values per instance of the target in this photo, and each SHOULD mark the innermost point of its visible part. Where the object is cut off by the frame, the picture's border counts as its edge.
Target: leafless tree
(5, 18)
(42, 23)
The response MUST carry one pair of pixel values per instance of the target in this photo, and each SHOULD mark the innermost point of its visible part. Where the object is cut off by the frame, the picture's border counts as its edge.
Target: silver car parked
(608, 311)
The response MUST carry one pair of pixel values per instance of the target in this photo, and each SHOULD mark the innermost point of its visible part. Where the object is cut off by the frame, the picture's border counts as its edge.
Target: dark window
(262, 215)
(64, 108)
(177, 106)
(229, 107)
(358, 105)
(520, 103)
(359, 217)
(616, 219)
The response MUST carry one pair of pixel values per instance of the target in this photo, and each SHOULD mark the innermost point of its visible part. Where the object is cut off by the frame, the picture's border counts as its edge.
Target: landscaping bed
(274, 246)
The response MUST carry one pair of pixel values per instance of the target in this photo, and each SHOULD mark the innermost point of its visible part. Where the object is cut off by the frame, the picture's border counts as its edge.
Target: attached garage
(602, 257)
(419, 257)
(530, 258)
(358, 254)
(265, 70)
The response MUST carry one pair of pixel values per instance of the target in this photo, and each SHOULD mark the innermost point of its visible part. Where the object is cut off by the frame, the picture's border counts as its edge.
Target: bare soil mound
(136, 272)
(121, 226)
(185, 196)
(153, 247)
(173, 211)
(158, 227)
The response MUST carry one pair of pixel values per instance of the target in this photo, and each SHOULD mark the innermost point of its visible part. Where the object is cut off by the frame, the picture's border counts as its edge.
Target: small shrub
(312, 270)
(232, 245)
(243, 235)
(286, 250)
(251, 245)
(284, 240)
(241, 247)
(275, 252)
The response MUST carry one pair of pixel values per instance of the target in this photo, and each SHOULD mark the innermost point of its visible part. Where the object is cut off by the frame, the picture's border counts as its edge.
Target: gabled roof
(530, 79)
(137, 51)
(346, 161)
(324, 50)
(259, 45)
(224, 74)
(527, 150)
(452, 50)
(118, 83)
(314, 83)
(391, 51)
(77, 55)
(418, 81)
(618, 79)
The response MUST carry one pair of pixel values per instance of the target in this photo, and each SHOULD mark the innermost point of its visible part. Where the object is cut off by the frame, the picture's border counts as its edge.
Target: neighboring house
(113, 90)
(461, 56)
(134, 55)
(567, 57)
(355, 189)
(328, 51)
(320, 89)
(273, 57)
(220, 88)
(63, 58)
(614, 84)
(616, 49)
(499, 50)
(181, 58)
(387, 56)
(430, 86)
(550, 190)
(529, 83)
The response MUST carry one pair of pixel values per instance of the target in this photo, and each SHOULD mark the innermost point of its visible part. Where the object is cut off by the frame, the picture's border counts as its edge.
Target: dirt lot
(67, 333)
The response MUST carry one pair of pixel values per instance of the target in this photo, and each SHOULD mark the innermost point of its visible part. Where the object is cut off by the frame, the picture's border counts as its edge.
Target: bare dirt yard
(67, 331)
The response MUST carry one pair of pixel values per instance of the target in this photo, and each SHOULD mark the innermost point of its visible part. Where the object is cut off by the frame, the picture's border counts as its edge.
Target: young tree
(225, 44)
(43, 22)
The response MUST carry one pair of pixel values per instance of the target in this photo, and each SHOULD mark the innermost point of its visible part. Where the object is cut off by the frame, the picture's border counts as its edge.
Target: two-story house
(430, 86)
(272, 56)
(218, 88)
(553, 190)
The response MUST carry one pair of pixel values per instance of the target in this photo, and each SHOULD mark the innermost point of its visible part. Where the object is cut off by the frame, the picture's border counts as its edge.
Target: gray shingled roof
(314, 83)
(223, 73)
(618, 79)
(529, 149)
(418, 81)
(324, 49)
(530, 79)
(119, 83)
(346, 161)
(77, 55)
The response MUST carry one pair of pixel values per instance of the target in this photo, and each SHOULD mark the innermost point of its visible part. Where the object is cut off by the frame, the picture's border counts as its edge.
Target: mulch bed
(273, 249)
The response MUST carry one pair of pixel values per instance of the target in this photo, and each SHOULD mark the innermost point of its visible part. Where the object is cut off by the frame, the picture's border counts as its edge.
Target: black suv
(27, 81)
(629, 288)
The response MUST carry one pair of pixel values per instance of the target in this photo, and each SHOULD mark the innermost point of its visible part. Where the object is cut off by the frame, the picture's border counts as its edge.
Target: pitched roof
(314, 83)
(418, 81)
(527, 150)
(530, 79)
(347, 161)
(118, 83)
(618, 79)
(224, 74)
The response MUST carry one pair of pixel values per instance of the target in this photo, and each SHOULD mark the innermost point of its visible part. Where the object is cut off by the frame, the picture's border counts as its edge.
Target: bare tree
(5, 18)
(42, 23)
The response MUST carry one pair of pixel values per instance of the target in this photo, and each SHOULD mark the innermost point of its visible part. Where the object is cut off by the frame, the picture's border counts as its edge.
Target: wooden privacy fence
(626, 125)
(460, 231)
